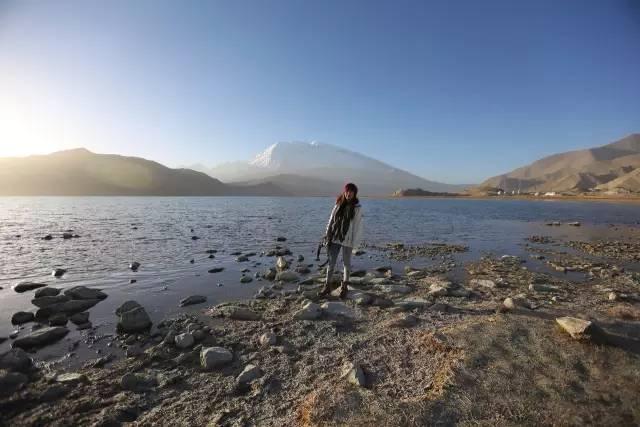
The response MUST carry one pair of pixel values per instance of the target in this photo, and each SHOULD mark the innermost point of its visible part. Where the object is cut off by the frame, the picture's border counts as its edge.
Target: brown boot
(344, 288)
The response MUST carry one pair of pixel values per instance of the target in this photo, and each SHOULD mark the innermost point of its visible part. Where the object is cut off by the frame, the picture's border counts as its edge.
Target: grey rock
(169, 338)
(84, 293)
(213, 357)
(193, 299)
(511, 303)
(338, 309)
(198, 335)
(41, 337)
(287, 276)
(270, 274)
(69, 307)
(58, 272)
(242, 258)
(126, 306)
(80, 318)
(27, 286)
(134, 266)
(47, 292)
(133, 320)
(249, 374)
(245, 279)
(310, 311)
(22, 317)
(184, 340)
(16, 359)
(46, 301)
(216, 270)
(59, 319)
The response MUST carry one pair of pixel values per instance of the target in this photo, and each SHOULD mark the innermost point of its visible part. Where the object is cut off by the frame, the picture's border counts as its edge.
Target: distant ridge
(612, 167)
(79, 172)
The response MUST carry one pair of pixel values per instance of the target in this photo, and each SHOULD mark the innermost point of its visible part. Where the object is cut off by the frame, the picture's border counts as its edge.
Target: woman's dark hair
(342, 199)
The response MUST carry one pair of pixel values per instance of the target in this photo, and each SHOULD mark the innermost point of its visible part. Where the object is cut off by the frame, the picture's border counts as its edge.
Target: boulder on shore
(132, 317)
(47, 292)
(27, 286)
(46, 301)
(41, 337)
(22, 317)
(84, 293)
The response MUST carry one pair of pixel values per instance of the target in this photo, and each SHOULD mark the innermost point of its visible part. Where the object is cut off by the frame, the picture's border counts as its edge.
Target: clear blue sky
(454, 91)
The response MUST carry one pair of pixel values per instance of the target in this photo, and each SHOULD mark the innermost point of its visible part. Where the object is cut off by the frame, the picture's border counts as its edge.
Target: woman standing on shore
(344, 230)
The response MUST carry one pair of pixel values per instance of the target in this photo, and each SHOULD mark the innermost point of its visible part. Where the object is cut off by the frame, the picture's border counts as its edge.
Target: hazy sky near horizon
(454, 91)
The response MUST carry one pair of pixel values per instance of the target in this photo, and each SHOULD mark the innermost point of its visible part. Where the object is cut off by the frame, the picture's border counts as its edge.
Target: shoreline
(630, 199)
(400, 350)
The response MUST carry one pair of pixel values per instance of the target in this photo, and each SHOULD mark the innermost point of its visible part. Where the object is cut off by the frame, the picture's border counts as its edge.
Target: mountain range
(319, 169)
(80, 172)
(307, 169)
(612, 168)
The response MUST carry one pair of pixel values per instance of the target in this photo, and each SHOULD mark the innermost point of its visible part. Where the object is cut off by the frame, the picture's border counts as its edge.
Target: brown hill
(576, 171)
(80, 172)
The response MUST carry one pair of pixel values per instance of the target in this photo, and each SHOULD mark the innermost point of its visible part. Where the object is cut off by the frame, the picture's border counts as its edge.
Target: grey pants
(333, 250)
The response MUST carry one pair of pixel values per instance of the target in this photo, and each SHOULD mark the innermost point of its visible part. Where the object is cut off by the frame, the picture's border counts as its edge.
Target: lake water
(157, 233)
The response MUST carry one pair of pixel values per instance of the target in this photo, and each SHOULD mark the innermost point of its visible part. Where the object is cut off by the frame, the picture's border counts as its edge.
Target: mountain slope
(321, 169)
(575, 171)
(80, 172)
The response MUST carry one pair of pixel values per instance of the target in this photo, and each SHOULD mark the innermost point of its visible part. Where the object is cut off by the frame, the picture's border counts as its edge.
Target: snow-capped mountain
(313, 168)
(288, 157)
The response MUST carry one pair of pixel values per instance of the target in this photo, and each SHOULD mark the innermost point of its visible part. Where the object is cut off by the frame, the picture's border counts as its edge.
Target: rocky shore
(503, 344)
